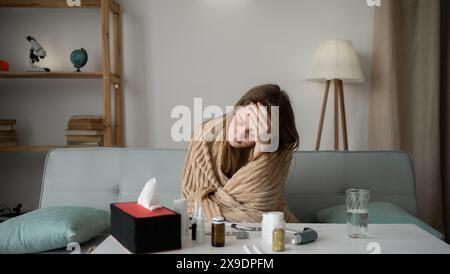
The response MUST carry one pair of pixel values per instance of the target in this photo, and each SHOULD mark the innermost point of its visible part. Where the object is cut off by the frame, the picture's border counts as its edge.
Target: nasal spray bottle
(194, 221)
(200, 226)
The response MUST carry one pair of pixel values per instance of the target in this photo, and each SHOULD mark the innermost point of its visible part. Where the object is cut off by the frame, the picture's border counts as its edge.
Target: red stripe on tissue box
(138, 211)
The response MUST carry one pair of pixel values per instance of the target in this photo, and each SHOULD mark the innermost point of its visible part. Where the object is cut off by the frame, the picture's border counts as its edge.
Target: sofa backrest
(96, 177)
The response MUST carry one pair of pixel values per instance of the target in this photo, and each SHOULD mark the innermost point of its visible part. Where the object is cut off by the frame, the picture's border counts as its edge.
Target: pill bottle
(278, 239)
(218, 232)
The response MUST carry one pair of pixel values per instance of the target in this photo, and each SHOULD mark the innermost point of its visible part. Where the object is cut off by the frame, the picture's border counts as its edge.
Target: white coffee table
(333, 239)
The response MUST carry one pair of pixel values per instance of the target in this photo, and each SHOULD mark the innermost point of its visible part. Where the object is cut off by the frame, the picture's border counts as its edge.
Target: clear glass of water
(357, 212)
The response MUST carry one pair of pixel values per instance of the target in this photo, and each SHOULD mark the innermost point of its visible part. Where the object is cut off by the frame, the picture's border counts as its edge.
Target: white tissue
(149, 195)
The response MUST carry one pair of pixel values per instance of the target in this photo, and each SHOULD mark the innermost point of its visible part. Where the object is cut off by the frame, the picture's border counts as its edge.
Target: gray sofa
(317, 180)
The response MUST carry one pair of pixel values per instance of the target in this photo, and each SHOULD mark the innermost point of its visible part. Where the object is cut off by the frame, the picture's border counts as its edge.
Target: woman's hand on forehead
(259, 121)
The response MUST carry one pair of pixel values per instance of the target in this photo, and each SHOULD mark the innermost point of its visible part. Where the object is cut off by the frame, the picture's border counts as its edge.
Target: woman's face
(240, 133)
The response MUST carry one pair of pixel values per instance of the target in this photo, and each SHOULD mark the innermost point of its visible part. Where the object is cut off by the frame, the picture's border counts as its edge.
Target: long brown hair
(267, 95)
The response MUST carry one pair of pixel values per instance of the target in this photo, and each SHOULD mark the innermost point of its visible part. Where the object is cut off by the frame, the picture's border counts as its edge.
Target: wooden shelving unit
(111, 78)
(29, 148)
(115, 8)
(51, 75)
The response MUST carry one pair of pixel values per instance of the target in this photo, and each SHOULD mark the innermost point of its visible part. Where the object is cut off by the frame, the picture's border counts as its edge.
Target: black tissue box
(142, 231)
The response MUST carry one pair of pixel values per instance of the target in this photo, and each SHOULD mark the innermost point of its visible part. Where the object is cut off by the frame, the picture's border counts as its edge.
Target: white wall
(175, 50)
(218, 49)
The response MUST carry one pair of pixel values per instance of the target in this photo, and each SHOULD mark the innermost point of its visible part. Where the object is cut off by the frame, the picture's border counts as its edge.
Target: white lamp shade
(336, 59)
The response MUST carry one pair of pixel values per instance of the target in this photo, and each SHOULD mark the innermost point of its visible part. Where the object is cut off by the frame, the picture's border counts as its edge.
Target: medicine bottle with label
(278, 239)
(218, 232)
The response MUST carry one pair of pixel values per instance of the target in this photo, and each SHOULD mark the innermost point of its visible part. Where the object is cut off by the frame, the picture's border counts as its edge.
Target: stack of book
(8, 135)
(85, 130)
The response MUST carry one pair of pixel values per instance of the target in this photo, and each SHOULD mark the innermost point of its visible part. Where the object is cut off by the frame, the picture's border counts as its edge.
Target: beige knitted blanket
(255, 188)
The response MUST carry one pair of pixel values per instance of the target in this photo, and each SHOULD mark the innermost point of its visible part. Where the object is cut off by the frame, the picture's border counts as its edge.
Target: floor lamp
(336, 61)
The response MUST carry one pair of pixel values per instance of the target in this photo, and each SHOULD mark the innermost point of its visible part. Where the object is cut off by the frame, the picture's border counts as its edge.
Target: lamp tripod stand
(338, 104)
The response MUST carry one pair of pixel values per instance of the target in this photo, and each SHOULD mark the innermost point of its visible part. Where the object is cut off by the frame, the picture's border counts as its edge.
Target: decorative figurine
(79, 58)
(36, 52)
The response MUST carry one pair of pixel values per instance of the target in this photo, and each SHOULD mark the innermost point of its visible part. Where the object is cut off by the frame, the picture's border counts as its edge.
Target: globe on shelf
(79, 58)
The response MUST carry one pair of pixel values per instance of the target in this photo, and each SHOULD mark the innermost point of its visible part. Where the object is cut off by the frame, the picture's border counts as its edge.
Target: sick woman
(236, 165)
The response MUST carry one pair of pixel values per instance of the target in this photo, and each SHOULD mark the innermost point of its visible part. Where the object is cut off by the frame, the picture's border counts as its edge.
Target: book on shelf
(84, 144)
(84, 139)
(8, 133)
(86, 117)
(7, 124)
(8, 144)
(84, 125)
(85, 130)
(6, 127)
(79, 132)
(8, 138)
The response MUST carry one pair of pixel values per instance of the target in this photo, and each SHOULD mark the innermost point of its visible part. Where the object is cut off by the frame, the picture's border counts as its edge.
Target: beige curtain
(445, 113)
(409, 108)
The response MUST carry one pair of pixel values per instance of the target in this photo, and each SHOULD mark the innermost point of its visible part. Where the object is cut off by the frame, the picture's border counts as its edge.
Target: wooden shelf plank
(114, 7)
(51, 75)
(47, 4)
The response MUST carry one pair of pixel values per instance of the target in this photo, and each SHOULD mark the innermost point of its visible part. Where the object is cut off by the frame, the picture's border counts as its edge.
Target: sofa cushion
(51, 228)
(379, 213)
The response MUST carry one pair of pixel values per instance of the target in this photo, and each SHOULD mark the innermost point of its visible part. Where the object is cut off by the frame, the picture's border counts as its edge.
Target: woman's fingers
(261, 115)
(263, 111)
(258, 118)
(253, 121)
